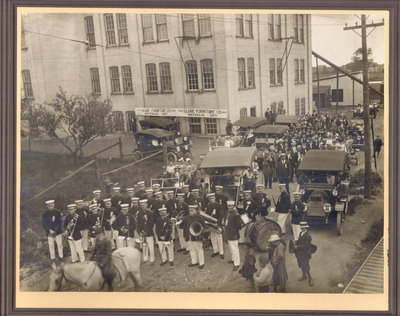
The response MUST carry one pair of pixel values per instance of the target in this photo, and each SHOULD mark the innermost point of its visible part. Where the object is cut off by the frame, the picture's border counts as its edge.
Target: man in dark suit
(282, 207)
(302, 250)
(51, 221)
(233, 224)
(262, 201)
(283, 170)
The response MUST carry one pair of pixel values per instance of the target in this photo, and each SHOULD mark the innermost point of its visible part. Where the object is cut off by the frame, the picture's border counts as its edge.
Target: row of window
(155, 27)
(300, 106)
(299, 71)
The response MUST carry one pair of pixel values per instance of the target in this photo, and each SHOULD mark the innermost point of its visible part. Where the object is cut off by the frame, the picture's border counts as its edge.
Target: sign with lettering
(178, 112)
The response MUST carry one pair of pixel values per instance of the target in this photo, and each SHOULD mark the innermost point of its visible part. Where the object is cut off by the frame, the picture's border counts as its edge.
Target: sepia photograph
(202, 151)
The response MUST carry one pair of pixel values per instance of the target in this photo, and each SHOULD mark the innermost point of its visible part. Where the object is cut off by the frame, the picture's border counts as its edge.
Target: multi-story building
(201, 69)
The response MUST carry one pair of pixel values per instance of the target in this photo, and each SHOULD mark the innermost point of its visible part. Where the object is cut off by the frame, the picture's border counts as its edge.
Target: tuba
(211, 222)
(195, 229)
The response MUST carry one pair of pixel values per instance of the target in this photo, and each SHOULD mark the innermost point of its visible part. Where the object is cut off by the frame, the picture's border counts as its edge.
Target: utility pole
(367, 130)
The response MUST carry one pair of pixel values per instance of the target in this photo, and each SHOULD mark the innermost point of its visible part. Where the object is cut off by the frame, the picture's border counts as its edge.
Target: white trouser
(148, 249)
(234, 249)
(164, 249)
(196, 252)
(85, 239)
(217, 242)
(296, 231)
(125, 242)
(282, 221)
(115, 234)
(58, 240)
(182, 241)
(76, 250)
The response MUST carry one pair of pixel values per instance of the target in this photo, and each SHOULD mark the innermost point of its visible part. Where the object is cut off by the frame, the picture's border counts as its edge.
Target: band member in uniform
(158, 203)
(51, 221)
(221, 198)
(150, 198)
(134, 206)
(193, 238)
(141, 191)
(233, 224)
(83, 213)
(145, 228)
(262, 201)
(282, 207)
(110, 214)
(102, 256)
(182, 210)
(249, 205)
(125, 226)
(278, 261)
(157, 188)
(283, 170)
(95, 219)
(97, 198)
(72, 225)
(117, 199)
(130, 193)
(164, 230)
(188, 196)
(171, 204)
(215, 210)
(196, 199)
(297, 211)
(302, 250)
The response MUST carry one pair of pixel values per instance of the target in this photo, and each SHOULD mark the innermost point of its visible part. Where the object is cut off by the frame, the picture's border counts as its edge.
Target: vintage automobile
(324, 181)
(247, 124)
(159, 122)
(288, 120)
(265, 134)
(151, 140)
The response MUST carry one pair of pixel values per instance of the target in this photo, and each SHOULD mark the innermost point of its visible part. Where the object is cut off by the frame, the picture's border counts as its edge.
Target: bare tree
(73, 120)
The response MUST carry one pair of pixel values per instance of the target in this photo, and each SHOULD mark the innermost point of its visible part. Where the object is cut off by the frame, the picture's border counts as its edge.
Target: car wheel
(172, 157)
(339, 226)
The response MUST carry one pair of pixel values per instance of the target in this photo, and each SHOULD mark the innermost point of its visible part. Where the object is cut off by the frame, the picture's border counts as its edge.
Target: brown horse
(88, 277)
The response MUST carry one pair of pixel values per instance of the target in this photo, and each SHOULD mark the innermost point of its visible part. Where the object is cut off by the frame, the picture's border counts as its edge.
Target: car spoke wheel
(339, 226)
(172, 157)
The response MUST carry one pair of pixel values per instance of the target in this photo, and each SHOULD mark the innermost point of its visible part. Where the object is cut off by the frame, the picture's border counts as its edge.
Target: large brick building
(202, 69)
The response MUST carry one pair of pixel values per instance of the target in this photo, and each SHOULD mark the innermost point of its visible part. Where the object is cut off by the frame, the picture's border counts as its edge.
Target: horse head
(56, 277)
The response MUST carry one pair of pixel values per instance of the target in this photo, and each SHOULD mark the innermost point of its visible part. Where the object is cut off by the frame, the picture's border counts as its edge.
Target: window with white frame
(161, 26)
(114, 76)
(118, 121)
(151, 74)
(165, 76)
(271, 26)
(248, 25)
(296, 71)
(27, 83)
(207, 74)
(242, 73)
(195, 125)
(243, 112)
(297, 106)
(127, 79)
(110, 29)
(253, 111)
(301, 28)
(204, 25)
(303, 106)
(301, 76)
(89, 29)
(192, 77)
(279, 79)
(278, 26)
(188, 25)
(211, 126)
(147, 25)
(122, 29)
(239, 25)
(250, 73)
(94, 75)
(272, 79)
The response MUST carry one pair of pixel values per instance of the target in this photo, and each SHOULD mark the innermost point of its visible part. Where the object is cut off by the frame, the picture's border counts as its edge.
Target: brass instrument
(211, 222)
(71, 226)
(196, 229)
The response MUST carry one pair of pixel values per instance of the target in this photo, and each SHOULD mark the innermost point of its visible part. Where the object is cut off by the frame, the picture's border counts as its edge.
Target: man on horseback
(102, 256)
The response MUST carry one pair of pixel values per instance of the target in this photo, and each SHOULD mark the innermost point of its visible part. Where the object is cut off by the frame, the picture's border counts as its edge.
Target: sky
(330, 40)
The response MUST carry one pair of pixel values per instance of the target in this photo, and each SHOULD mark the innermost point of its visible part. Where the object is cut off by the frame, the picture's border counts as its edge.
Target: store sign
(207, 113)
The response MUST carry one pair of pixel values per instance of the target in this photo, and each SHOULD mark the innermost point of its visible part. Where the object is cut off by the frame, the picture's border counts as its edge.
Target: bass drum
(256, 234)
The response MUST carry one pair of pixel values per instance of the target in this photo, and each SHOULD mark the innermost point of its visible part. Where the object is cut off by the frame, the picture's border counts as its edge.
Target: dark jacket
(303, 249)
(171, 206)
(125, 225)
(187, 221)
(283, 204)
(164, 228)
(145, 223)
(297, 211)
(283, 169)
(233, 225)
(263, 203)
(215, 210)
(116, 201)
(108, 214)
(83, 215)
(76, 234)
(102, 256)
(52, 220)
(94, 220)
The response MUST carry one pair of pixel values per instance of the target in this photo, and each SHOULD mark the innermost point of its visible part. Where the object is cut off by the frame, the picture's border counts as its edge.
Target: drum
(257, 234)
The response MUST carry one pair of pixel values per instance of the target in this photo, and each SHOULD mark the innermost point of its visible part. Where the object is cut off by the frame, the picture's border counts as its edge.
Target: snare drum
(245, 218)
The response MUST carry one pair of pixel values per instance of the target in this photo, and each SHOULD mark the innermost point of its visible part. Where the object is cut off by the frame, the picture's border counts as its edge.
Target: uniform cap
(130, 189)
(195, 190)
(282, 185)
(210, 194)
(149, 191)
(107, 200)
(124, 205)
(247, 191)
(96, 191)
(304, 225)
(156, 185)
(49, 202)
(230, 203)
(140, 183)
(180, 194)
(193, 206)
(143, 201)
(116, 188)
(185, 186)
(162, 209)
(170, 192)
(71, 205)
(136, 199)
(158, 193)
(78, 201)
(92, 206)
(219, 187)
(297, 193)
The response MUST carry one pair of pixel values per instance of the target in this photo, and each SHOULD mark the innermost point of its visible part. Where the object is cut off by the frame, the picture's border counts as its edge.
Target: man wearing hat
(215, 210)
(51, 221)
(164, 231)
(278, 261)
(110, 214)
(97, 199)
(233, 224)
(221, 198)
(249, 205)
(94, 220)
(182, 210)
(134, 206)
(72, 225)
(158, 203)
(283, 170)
(102, 256)
(196, 199)
(145, 228)
(150, 198)
(193, 239)
(302, 250)
(171, 204)
(141, 191)
(261, 200)
(269, 166)
(156, 189)
(83, 213)
(297, 211)
(282, 207)
(188, 195)
(130, 193)
(116, 198)
(125, 225)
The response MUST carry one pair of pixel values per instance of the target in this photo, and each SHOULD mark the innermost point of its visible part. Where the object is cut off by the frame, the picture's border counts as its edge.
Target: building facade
(200, 69)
